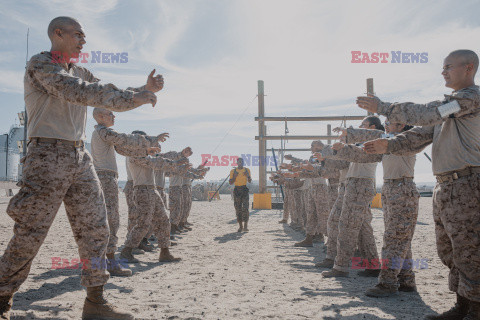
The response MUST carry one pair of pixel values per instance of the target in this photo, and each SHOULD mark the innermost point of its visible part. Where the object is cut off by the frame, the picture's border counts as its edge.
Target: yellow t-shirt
(241, 179)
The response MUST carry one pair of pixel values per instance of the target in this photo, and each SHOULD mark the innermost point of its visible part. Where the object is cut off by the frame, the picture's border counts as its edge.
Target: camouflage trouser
(457, 227)
(162, 193)
(187, 202)
(286, 203)
(109, 182)
(175, 204)
(355, 223)
(241, 201)
(316, 206)
(298, 207)
(150, 212)
(333, 185)
(332, 224)
(400, 209)
(128, 190)
(53, 173)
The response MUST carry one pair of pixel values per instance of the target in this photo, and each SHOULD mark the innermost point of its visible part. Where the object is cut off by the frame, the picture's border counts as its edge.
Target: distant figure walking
(240, 176)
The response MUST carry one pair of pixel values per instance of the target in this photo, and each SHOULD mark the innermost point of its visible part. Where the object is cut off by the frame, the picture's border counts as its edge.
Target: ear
(58, 33)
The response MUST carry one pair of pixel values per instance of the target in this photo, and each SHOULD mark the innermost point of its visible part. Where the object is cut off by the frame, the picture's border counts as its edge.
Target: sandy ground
(227, 275)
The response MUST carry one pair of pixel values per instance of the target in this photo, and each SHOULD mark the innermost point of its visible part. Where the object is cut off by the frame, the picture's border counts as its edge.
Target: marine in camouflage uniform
(354, 227)
(57, 169)
(326, 169)
(104, 141)
(151, 210)
(400, 208)
(452, 126)
(128, 191)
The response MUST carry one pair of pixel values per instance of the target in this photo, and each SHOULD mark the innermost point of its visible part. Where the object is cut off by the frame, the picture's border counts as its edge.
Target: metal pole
(210, 200)
(25, 117)
(262, 148)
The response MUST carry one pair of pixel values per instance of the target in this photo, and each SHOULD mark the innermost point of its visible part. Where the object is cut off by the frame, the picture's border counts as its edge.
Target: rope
(238, 119)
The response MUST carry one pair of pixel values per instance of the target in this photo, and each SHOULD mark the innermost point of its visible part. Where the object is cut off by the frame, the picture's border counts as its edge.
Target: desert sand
(230, 275)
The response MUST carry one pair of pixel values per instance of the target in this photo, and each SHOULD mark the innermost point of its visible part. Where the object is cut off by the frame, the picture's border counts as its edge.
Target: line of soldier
(58, 169)
(452, 126)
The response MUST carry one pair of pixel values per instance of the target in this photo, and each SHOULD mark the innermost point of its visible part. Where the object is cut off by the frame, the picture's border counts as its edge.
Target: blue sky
(212, 52)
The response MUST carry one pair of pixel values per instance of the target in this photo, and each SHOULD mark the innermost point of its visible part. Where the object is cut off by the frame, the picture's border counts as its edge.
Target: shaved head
(98, 112)
(467, 57)
(61, 23)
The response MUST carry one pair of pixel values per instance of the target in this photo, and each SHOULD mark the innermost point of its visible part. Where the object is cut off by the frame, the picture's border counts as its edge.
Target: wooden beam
(296, 138)
(333, 118)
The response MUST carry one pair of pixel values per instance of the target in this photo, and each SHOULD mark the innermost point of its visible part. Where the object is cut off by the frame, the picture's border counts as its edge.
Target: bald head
(466, 57)
(61, 23)
(104, 117)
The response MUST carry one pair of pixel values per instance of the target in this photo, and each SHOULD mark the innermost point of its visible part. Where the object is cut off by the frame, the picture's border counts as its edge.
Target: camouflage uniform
(316, 206)
(295, 214)
(104, 141)
(175, 203)
(400, 208)
(287, 203)
(455, 162)
(354, 227)
(186, 199)
(56, 98)
(332, 169)
(149, 206)
(128, 190)
(333, 185)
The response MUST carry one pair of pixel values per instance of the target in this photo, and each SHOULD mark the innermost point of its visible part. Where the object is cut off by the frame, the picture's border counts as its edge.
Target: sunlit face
(454, 72)
(72, 39)
(108, 118)
(393, 127)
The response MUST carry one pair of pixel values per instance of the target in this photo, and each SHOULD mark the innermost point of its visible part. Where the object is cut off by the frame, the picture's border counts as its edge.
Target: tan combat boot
(307, 242)
(245, 226)
(96, 307)
(115, 268)
(334, 273)
(5, 306)
(326, 263)
(166, 256)
(381, 291)
(126, 255)
(459, 311)
(145, 246)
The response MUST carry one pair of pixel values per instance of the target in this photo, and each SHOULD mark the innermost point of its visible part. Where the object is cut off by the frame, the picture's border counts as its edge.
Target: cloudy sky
(212, 53)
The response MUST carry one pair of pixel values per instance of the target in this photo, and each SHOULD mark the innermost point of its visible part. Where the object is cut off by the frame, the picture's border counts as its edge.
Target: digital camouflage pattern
(317, 209)
(109, 183)
(175, 204)
(400, 209)
(128, 190)
(355, 223)
(332, 223)
(151, 212)
(52, 174)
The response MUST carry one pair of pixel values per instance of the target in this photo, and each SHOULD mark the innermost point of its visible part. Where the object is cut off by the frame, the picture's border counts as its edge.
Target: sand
(227, 275)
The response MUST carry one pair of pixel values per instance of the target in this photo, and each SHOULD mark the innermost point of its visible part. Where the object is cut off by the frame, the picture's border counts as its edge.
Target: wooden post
(262, 150)
(370, 91)
(329, 132)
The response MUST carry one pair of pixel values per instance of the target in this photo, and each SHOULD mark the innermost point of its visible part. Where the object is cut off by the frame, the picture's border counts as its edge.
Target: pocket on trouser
(352, 217)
